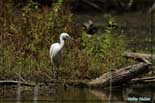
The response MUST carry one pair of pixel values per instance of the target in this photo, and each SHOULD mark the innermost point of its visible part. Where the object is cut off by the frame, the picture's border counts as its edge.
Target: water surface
(77, 95)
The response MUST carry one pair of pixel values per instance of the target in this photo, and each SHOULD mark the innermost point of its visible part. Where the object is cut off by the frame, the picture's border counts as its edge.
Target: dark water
(77, 95)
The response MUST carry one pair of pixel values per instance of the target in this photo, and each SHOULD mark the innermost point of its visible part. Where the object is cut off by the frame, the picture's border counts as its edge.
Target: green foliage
(31, 6)
(105, 51)
(30, 34)
(97, 54)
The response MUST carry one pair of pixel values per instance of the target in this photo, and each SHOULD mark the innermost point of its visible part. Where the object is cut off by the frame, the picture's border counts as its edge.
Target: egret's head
(64, 36)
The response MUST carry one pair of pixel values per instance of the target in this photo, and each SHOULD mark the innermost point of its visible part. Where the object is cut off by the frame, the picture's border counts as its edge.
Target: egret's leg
(60, 73)
(57, 71)
(54, 72)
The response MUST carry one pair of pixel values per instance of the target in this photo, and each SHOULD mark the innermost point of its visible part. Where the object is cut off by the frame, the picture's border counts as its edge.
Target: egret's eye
(66, 37)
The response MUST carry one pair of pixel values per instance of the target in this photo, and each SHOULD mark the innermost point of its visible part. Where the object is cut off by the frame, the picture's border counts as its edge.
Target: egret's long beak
(71, 38)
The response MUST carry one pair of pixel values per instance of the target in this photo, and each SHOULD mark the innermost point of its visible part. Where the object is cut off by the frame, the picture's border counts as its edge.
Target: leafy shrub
(105, 52)
(29, 35)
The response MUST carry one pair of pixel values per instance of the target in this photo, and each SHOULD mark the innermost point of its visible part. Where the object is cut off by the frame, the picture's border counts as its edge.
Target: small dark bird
(89, 27)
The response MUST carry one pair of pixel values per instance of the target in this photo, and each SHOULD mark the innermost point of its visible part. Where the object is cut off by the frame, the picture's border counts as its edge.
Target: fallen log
(140, 57)
(142, 80)
(12, 82)
(121, 76)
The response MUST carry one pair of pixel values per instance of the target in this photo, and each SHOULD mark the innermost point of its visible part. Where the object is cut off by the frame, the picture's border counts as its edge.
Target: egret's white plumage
(56, 50)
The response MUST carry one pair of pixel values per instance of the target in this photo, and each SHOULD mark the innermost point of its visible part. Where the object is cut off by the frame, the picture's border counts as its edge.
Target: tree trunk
(121, 76)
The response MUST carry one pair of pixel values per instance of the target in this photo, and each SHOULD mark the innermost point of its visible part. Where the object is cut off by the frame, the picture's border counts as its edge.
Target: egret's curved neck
(62, 42)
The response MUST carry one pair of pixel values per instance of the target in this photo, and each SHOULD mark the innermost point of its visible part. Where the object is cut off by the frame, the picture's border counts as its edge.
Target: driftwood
(139, 56)
(142, 80)
(127, 74)
(121, 76)
(12, 82)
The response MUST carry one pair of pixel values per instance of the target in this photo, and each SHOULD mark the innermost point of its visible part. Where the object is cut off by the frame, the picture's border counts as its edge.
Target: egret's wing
(60, 56)
(52, 52)
(55, 54)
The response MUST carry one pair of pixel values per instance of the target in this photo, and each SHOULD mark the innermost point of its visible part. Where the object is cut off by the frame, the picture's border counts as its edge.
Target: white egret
(56, 50)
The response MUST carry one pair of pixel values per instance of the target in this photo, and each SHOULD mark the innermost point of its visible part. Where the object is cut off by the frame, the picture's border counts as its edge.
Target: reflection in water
(119, 95)
(19, 97)
(125, 94)
(18, 92)
(99, 94)
(35, 97)
(122, 94)
(110, 88)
